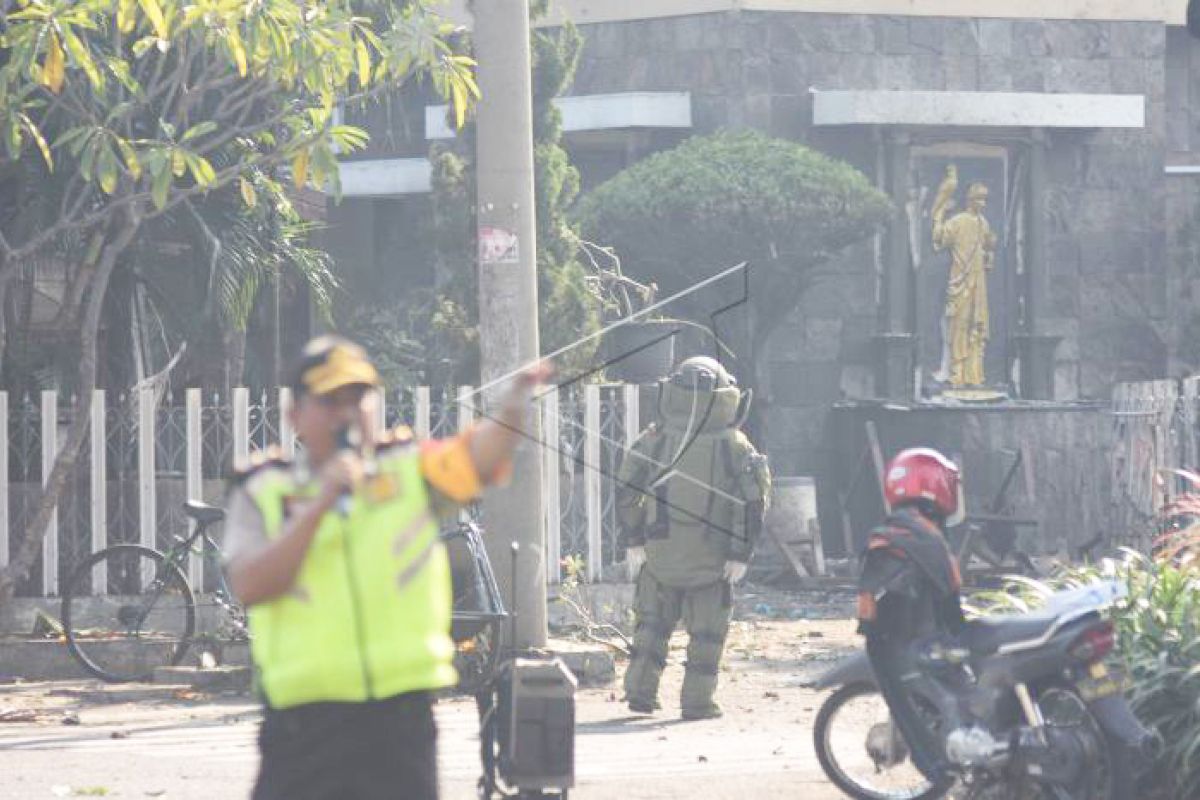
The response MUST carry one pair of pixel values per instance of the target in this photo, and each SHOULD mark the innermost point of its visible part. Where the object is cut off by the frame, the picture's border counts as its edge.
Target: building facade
(1078, 121)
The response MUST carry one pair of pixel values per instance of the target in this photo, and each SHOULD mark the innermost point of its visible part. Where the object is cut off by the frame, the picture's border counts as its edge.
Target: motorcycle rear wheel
(1072, 710)
(1062, 707)
(911, 785)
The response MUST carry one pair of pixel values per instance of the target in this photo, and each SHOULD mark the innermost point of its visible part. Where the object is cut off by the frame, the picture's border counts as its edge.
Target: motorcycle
(1022, 706)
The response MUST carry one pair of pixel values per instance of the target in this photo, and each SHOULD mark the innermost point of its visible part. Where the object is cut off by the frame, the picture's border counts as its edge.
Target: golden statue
(972, 246)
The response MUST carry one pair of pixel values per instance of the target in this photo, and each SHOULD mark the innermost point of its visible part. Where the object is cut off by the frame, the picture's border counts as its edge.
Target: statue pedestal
(975, 395)
(1062, 444)
(1037, 365)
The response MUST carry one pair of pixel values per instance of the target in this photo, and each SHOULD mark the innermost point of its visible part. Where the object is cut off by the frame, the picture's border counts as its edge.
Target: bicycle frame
(199, 541)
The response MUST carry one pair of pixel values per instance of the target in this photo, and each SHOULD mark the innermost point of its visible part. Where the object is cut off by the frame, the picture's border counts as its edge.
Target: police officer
(692, 495)
(337, 556)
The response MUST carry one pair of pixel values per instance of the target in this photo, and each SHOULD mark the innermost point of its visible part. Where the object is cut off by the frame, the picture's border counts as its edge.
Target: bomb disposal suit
(693, 493)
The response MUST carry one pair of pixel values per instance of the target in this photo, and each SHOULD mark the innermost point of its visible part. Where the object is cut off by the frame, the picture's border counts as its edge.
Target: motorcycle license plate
(1100, 682)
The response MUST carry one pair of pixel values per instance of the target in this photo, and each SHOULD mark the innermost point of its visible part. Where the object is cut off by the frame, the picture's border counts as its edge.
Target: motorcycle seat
(986, 635)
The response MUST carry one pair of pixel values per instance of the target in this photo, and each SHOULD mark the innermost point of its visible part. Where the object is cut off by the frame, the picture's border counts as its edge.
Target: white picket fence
(145, 455)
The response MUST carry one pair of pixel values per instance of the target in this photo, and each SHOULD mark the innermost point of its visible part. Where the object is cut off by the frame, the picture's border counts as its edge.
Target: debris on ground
(759, 602)
(18, 715)
(46, 626)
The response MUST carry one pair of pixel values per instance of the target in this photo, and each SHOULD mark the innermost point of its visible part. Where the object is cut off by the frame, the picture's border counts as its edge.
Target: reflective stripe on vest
(369, 615)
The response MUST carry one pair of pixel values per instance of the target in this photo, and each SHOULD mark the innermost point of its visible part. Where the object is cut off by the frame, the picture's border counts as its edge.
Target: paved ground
(199, 748)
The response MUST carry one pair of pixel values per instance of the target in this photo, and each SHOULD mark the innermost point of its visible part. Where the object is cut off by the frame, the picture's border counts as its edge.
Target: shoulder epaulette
(397, 437)
(272, 457)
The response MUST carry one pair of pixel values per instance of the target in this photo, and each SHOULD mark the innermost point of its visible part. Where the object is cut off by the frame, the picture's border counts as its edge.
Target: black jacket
(908, 594)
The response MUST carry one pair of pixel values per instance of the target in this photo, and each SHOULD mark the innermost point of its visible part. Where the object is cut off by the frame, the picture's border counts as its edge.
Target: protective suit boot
(709, 711)
(640, 706)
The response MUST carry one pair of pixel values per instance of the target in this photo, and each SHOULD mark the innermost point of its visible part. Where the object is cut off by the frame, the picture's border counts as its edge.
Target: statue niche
(966, 325)
(963, 286)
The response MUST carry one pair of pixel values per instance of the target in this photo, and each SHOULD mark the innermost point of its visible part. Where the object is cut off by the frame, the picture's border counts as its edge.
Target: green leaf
(154, 13)
(132, 163)
(234, 39)
(300, 169)
(349, 137)
(202, 171)
(88, 160)
(459, 98)
(249, 197)
(118, 111)
(13, 138)
(107, 169)
(203, 129)
(83, 58)
(120, 69)
(54, 67)
(143, 45)
(125, 17)
(364, 62)
(36, 134)
(161, 188)
(74, 139)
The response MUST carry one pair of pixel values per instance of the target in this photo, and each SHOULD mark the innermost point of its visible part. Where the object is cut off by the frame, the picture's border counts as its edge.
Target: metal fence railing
(146, 454)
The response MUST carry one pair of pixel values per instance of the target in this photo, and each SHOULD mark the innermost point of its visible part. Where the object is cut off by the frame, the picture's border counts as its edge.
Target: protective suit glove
(735, 571)
(635, 557)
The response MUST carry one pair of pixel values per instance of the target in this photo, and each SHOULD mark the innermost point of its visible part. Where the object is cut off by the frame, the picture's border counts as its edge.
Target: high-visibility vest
(369, 615)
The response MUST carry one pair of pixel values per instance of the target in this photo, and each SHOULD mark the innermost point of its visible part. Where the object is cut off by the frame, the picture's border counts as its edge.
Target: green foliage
(720, 199)
(252, 247)
(715, 201)
(1158, 629)
(120, 118)
(427, 340)
(567, 311)
(142, 99)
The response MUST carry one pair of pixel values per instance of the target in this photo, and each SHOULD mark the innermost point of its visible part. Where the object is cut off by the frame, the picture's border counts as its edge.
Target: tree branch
(68, 454)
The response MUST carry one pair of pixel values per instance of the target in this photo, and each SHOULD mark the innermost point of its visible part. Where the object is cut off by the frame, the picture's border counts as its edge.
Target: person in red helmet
(909, 588)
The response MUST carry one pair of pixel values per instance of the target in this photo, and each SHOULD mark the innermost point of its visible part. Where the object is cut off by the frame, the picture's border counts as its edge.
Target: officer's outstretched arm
(493, 440)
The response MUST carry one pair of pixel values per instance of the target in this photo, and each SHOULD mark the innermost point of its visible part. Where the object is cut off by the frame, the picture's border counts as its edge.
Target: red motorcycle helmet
(924, 474)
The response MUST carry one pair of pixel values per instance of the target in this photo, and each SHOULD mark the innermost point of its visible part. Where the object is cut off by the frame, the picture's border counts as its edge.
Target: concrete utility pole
(508, 301)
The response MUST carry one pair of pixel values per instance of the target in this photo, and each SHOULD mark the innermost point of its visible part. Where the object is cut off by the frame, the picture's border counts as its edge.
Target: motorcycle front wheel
(862, 752)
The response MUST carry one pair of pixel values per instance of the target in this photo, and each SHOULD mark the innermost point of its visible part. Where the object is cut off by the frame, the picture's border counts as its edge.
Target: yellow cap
(329, 363)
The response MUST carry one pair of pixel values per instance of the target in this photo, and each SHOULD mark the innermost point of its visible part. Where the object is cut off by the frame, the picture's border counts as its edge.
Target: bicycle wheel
(127, 610)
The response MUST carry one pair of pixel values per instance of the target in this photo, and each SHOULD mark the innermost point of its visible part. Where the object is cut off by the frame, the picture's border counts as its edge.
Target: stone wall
(1110, 232)
(1106, 249)
(1183, 200)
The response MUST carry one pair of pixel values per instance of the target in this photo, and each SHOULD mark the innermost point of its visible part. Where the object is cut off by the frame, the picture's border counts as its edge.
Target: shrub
(1158, 630)
(714, 201)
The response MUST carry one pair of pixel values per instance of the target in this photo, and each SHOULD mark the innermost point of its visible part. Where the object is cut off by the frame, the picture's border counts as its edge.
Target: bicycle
(149, 607)
(145, 615)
